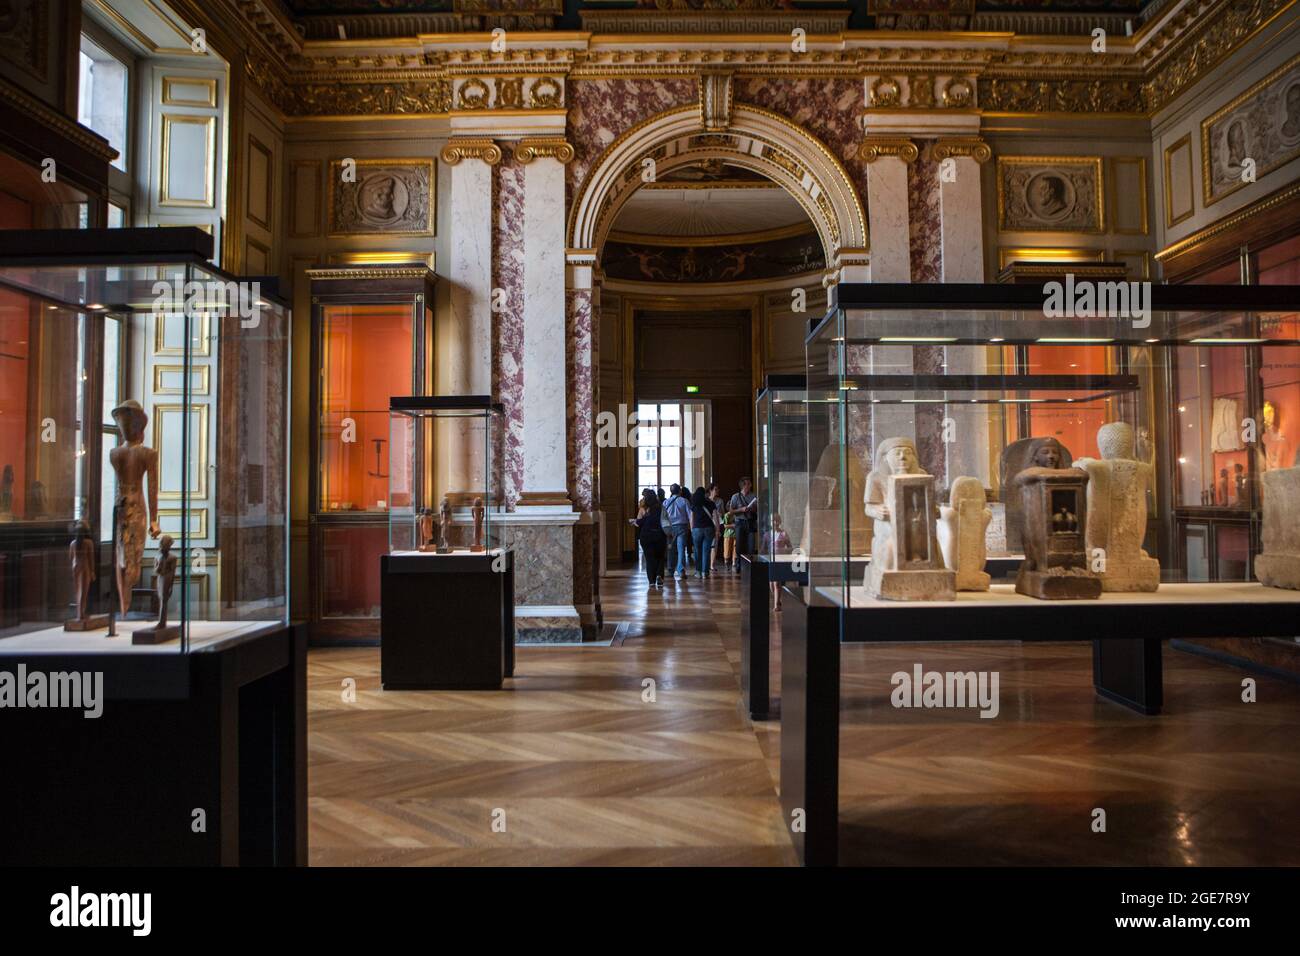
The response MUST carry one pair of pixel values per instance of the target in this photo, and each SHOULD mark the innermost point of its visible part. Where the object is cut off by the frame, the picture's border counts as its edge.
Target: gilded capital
(971, 146)
(555, 147)
(471, 148)
(874, 147)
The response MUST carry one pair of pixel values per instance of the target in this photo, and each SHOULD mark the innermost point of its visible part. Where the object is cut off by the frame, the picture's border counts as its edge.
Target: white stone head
(966, 489)
(1116, 441)
(897, 456)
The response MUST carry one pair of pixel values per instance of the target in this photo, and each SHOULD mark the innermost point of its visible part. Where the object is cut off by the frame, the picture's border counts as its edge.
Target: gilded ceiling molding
(971, 146)
(467, 147)
(536, 147)
(1204, 40)
(874, 147)
(715, 99)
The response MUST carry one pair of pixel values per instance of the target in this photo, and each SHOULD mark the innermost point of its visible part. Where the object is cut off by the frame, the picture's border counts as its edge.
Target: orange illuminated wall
(15, 352)
(1074, 426)
(367, 354)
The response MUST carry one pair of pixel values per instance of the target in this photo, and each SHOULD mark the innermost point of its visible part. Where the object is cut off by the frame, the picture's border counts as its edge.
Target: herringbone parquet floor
(572, 765)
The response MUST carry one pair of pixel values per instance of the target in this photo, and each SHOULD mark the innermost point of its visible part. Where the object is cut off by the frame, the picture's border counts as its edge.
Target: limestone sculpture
(962, 527)
(1117, 512)
(1016, 457)
(1279, 564)
(906, 564)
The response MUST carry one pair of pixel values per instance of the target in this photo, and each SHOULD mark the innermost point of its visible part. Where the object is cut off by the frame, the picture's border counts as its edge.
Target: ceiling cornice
(1137, 75)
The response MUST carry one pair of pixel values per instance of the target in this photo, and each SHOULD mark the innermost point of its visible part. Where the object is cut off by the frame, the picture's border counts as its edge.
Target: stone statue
(1277, 447)
(1279, 564)
(477, 511)
(82, 557)
(1117, 511)
(1053, 515)
(1016, 457)
(164, 577)
(444, 526)
(962, 527)
(424, 525)
(900, 499)
(136, 508)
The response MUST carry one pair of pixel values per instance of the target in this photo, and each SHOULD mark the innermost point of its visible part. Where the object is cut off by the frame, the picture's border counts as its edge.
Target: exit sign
(692, 389)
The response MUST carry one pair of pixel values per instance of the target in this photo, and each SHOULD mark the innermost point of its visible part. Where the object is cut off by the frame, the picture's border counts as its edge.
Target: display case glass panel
(444, 475)
(143, 437)
(967, 384)
(781, 481)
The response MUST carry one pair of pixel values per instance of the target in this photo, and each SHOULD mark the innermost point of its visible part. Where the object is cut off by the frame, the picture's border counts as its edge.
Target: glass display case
(977, 386)
(372, 339)
(143, 444)
(444, 486)
(781, 480)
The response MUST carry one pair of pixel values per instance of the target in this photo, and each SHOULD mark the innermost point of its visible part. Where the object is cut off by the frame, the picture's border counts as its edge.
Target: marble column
(961, 232)
(545, 454)
(468, 356)
(887, 159)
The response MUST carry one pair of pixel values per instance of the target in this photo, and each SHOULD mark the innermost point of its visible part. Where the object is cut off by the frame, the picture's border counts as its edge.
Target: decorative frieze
(508, 93)
(467, 147)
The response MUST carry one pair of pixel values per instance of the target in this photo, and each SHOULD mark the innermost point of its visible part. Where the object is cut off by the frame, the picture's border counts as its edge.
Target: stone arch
(753, 138)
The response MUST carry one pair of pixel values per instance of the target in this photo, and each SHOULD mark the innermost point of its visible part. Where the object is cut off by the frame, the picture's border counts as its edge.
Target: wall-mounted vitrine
(372, 339)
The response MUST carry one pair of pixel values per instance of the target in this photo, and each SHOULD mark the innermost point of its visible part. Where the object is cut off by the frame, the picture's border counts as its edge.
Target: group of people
(681, 529)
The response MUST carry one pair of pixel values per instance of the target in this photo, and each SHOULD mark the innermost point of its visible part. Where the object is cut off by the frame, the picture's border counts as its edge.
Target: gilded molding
(886, 92)
(1204, 39)
(467, 147)
(92, 143)
(1283, 195)
(1006, 95)
(874, 147)
(971, 146)
(367, 272)
(537, 147)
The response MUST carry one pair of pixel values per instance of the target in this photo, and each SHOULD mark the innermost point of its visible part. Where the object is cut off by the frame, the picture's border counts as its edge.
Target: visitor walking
(650, 532)
(702, 531)
(744, 506)
(677, 525)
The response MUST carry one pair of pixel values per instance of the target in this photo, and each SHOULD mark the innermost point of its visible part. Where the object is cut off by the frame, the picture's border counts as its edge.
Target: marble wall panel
(601, 110)
(925, 217)
(544, 563)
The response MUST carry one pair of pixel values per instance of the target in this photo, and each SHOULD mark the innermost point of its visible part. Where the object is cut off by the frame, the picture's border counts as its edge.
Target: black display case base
(447, 621)
(195, 759)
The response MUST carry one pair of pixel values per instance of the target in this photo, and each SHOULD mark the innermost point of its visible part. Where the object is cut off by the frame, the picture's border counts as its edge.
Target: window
(103, 97)
(669, 442)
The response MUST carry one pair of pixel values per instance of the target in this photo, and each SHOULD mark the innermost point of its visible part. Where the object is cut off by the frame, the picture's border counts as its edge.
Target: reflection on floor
(585, 770)
(588, 773)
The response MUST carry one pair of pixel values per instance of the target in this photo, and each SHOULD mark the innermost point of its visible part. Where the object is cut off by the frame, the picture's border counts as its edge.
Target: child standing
(728, 540)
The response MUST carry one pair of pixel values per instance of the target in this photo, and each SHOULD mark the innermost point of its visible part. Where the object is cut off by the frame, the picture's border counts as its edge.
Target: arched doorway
(819, 212)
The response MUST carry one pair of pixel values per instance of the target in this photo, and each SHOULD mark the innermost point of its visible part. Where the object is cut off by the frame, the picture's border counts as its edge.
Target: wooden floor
(584, 771)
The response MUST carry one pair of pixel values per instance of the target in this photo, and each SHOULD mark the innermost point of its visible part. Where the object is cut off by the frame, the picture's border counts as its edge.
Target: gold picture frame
(1267, 120)
(1061, 194)
(384, 199)
(1171, 218)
